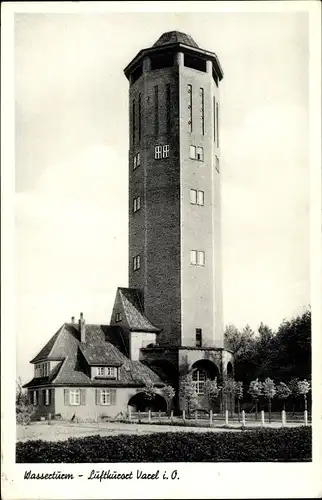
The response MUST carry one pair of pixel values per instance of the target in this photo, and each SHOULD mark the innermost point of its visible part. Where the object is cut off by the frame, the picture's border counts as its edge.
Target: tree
(229, 389)
(255, 390)
(304, 389)
(294, 388)
(243, 345)
(283, 392)
(239, 395)
(212, 390)
(24, 409)
(188, 392)
(168, 393)
(269, 391)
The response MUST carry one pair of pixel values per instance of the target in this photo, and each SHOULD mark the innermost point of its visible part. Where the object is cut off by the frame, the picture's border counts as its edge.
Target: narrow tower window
(133, 122)
(140, 117)
(197, 258)
(136, 262)
(198, 337)
(217, 164)
(190, 108)
(214, 119)
(168, 109)
(136, 203)
(202, 111)
(217, 123)
(156, 110)
(158, 152)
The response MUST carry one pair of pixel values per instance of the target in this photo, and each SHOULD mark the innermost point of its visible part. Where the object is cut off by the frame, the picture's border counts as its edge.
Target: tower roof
(175, 37)
(171, 42)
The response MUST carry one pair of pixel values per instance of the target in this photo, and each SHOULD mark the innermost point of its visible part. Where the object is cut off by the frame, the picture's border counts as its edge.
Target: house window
(190, 108)
(100, 371)
(118, 317)
(74, 397)
(196, 153)
(136, 161)
(105, 397)
(166, 151)
(156, 110)
(158, 152)
(136, 263)
(47, 397)
(197, 258)
(217, 163)
(198, 337)
(136, 204)
(34, 398)
(196, 197)
(202, 111)
(199, 379)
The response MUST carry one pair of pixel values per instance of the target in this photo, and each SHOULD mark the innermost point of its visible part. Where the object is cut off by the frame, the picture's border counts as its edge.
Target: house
(169, 322)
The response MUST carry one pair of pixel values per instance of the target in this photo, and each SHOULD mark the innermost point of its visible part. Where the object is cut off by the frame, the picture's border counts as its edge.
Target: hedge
(262, 445)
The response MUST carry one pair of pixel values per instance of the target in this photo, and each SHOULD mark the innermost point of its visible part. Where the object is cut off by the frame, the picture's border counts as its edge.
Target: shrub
(263, 445)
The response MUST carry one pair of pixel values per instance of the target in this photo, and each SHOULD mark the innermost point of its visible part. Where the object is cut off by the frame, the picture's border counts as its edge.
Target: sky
(71, 148)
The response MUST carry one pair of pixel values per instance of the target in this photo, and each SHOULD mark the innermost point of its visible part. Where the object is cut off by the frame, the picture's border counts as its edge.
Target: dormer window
(106, 372)
(118, 317)
(42, 369)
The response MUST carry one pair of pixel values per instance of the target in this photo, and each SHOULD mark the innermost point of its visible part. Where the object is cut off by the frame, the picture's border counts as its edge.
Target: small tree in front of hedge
(239, 390)
(269, 391)
(229, 390)
(283, 392)
(303, 389)
(168, 393)
(211, 390)
(188, 393)
(24, 409)
(255, 390)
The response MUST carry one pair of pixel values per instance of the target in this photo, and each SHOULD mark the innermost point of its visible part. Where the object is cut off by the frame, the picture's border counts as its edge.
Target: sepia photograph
(162, 242)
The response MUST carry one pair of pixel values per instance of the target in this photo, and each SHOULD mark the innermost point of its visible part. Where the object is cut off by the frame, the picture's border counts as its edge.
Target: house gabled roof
(101, 348)
(133, 311)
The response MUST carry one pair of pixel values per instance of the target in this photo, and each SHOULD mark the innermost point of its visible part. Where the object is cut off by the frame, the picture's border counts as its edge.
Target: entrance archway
(140, 402)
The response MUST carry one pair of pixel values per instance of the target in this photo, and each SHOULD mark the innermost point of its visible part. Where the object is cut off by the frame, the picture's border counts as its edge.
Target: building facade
(169, 321)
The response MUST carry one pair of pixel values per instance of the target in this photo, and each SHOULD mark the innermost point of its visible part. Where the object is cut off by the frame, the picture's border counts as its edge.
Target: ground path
(61, 431)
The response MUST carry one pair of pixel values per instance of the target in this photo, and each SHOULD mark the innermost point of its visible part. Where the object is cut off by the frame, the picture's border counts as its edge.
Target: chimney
(73, 320)
(82, 328)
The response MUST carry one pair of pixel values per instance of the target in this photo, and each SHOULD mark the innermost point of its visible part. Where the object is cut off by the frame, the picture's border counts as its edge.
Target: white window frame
(47, 397)
(118, 317)
(105, 397)
(193, 196)
(201, 258)
(199, 153)
(199, 379)
(157, 152)
(110, 371)
(138, 160)
(134, 162)
(197, 258)
(193, 257)
(100, 371)
(74, 397)
(193, 152)
(200, 198)
(34, 398)
(165, 151)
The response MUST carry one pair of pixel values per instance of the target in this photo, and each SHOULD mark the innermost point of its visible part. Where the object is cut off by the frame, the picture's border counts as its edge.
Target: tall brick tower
(174, 201)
